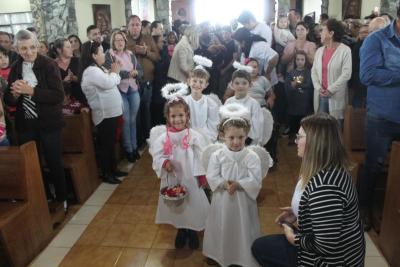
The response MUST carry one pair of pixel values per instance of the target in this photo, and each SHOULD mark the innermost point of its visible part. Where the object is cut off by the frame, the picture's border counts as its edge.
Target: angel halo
(172, 91)
(234, 111)
(202, 62)
(240, 66)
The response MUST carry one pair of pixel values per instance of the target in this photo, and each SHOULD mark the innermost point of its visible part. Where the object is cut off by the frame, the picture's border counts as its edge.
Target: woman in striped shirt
(324, 206)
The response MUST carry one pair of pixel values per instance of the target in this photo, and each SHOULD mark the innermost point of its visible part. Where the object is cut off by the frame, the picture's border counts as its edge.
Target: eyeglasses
(299, 136)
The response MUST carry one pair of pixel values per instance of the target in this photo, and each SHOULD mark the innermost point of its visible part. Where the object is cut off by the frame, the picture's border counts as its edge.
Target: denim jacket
(380, 71)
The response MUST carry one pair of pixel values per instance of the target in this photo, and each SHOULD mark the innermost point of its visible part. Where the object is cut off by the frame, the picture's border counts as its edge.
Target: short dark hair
(131, 17)
(57, 44)
(154, 25)
(246, 16)
(324, 16)
(145, 23)
(387, 14)
(241, 74)
(31, 29)
(3, 51)
(91, 27)
(302, 23)
(337, 28)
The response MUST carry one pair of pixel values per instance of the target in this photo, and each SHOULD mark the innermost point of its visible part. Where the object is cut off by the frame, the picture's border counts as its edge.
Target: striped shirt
(330, 230)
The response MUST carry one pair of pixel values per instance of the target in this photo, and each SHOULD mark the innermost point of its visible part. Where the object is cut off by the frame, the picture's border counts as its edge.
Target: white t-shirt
(298, 192)
(263, 30)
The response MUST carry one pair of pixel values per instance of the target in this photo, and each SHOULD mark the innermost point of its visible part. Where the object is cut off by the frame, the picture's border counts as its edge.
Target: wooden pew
(354, 136)
(78, 155)
(25, 223)
(389, 237)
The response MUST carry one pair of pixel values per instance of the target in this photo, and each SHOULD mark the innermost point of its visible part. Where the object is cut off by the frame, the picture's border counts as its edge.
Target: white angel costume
(204, 115)
(192, 211)
(260, 121)
(233, 223)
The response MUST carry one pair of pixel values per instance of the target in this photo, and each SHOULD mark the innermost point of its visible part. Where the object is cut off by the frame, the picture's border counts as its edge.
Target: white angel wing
(268, 125)
(265, 158)
(207, 152)
(155, 132)
(215, 99)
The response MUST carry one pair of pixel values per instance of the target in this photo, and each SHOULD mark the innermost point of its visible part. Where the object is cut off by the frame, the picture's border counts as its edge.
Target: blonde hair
(192, 35)
(112, 40)
(324, 147)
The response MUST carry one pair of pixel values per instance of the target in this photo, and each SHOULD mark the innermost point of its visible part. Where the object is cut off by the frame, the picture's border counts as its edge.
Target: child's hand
(227, 184)
(168, 167)
(233, 186)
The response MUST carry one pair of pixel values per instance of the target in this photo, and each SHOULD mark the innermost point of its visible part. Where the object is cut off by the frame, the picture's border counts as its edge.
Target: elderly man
(379, 70)
(377, 24)
(35, 87)
(146, 51)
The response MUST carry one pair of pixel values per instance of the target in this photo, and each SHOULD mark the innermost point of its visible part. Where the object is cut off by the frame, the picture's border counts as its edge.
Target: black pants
(274, 251)
(106, 134)
(50, 143)
(294, 123)
(157, 113)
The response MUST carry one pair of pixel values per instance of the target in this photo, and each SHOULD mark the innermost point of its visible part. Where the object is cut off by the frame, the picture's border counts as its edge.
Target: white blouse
(298, 192)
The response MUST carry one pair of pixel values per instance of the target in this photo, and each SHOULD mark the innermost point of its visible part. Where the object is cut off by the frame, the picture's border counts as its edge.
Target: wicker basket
(164, 195)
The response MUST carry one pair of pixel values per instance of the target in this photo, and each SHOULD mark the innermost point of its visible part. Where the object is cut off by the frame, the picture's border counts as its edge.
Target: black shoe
(136, 155)
(130, 157)
(180, 239)
(193, 239)
(211, 262)
(366, 219)
(120, 173)
(110, 179)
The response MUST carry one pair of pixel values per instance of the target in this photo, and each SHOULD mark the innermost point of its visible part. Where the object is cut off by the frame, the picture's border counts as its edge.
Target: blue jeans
(131, 102)
(380, 134)
(5, 142)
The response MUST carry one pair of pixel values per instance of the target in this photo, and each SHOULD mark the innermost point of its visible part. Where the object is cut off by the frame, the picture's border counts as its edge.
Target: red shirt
(326, 57)
(5, 72)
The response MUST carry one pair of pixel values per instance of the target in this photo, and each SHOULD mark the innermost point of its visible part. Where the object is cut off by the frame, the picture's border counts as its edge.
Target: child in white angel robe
(256, 119)
(233, 223)
(192, 213)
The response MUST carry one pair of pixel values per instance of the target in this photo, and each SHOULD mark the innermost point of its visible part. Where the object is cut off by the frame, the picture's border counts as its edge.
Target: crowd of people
(214, 90)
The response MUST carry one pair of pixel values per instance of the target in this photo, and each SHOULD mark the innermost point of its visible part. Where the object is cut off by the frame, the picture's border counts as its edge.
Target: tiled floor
(115, 227)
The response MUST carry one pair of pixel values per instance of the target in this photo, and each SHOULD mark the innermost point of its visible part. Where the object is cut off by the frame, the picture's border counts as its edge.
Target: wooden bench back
(13, 182)
(76, 133)
(354, 128)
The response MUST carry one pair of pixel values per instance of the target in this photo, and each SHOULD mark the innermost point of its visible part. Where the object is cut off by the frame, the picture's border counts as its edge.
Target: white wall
(136, 10)
(84, 14)
(14, 6)
(311, 6)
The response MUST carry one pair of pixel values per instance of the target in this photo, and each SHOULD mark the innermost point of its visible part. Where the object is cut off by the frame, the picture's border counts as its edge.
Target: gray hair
(25, 35)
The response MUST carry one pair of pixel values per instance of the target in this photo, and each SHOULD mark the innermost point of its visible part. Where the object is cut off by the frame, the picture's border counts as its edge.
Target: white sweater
(101, 91)
(339, 72)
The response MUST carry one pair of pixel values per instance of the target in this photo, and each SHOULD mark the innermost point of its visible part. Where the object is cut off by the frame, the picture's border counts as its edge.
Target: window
(13, 22)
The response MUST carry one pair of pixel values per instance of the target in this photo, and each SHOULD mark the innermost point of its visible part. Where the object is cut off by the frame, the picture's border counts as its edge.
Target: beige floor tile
(133, 257)
(108, 213)
(94, 233)
(85, 214)
(67, 237)
(99, 197)
(165, 238)
(92, 256)
(50, 257)
(118, 235)
(120, 196)
(375, 262)
(160, 258)
(142, 236)
(136, 214)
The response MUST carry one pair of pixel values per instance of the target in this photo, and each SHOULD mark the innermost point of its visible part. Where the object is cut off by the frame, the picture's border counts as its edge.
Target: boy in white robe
(203, 108)
(234, 175)
(241, 83)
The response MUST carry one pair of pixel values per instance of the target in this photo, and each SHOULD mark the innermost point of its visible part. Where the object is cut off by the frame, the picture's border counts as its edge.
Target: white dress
(191, 213)
(204, 115)
(257, 118)
(233, 223)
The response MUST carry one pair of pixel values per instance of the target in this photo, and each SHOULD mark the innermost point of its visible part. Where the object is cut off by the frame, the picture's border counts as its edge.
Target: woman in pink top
(130, 72)
(331, 71)
(300, 43)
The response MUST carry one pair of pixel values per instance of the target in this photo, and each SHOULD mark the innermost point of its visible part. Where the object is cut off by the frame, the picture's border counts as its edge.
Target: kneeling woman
(324, 205)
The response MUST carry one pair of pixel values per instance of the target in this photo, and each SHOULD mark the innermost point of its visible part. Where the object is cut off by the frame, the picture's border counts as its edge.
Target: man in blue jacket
(380, 72)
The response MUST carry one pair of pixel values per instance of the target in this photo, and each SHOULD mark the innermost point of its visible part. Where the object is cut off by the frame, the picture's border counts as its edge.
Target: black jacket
(48, 94)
